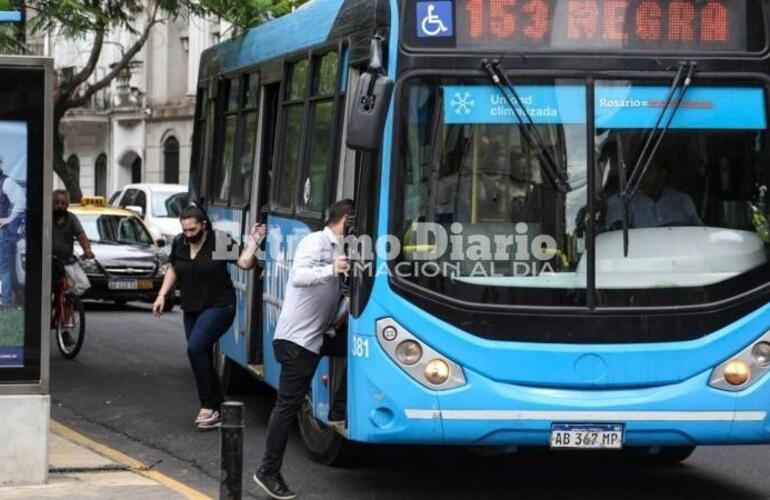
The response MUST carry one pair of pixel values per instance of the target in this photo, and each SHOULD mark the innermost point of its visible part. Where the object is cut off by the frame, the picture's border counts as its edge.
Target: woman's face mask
(194, 238)
(193, 230)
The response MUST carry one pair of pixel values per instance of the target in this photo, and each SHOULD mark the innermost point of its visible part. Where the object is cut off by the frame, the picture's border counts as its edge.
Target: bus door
(346, 186)
(260, 207)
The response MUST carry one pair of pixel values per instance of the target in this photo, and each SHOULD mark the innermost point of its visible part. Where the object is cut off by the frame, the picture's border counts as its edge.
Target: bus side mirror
(370, 107)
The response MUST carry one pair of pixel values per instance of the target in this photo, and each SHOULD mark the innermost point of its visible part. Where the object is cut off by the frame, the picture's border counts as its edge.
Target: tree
(81, 18)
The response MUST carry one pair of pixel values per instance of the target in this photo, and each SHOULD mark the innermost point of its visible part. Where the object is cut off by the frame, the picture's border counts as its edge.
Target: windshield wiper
(556, 173)
(681, 83)
(622, 181)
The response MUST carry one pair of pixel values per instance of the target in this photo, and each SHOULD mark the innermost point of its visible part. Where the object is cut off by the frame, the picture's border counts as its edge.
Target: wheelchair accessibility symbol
(434, 19)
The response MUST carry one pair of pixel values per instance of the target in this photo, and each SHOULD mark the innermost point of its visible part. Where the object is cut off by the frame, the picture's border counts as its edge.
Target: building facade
(138, 129)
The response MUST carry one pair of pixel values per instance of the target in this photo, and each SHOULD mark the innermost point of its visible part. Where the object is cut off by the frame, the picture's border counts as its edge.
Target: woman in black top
(199, 267)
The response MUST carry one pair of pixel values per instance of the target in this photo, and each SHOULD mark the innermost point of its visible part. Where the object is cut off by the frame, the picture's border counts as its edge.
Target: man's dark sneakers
(274, 485)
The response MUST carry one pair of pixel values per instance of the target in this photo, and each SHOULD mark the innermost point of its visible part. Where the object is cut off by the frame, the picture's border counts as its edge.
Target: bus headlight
(743, 368)
(420, 361)
(437, 371)
(737, 372)
(761, 353)
(409, 352)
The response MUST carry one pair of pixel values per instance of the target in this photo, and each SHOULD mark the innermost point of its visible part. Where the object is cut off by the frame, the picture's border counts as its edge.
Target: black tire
(325, 445)
(78, 332)
(670, 455)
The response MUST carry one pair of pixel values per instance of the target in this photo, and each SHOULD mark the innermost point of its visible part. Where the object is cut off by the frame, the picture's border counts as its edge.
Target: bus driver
(655, 204)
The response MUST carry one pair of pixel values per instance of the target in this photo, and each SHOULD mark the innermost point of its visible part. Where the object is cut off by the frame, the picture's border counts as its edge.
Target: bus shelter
(26, 104)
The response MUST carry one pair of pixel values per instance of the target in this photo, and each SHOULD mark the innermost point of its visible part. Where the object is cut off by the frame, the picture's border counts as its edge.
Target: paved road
(131, 388)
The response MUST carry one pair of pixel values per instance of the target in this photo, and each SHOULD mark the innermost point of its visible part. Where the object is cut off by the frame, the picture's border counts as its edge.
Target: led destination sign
(587, 25)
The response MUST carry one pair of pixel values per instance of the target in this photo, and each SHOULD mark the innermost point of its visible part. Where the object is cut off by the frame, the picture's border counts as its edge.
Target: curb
(127, 462)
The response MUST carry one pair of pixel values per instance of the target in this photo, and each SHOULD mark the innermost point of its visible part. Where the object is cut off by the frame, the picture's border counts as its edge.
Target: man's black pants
(298, 366)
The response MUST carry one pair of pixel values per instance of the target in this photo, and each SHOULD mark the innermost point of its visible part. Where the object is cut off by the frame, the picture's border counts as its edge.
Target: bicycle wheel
(69, 338)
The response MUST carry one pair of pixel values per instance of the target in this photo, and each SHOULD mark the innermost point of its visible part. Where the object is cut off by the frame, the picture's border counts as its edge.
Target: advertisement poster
(13, 210)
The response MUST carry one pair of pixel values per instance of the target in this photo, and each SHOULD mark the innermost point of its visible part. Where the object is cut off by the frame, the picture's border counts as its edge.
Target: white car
(159, 205)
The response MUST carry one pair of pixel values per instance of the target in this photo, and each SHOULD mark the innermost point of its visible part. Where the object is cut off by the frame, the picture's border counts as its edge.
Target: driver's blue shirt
(673, 208)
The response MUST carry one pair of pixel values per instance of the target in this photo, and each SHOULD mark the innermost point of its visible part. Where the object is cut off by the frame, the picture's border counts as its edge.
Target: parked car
(159, 205)
(130, 264)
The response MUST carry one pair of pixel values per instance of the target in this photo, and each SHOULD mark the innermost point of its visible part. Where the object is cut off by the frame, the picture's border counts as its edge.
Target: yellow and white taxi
(129, 263)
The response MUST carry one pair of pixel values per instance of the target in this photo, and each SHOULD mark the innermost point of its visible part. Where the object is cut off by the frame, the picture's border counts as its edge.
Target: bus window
(240, 191)
(297, 80)
(219, 189)
(293, 109)
(199, 135)
(315, 182)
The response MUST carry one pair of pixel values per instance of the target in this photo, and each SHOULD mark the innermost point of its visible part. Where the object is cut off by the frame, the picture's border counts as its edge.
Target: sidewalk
(82, 468)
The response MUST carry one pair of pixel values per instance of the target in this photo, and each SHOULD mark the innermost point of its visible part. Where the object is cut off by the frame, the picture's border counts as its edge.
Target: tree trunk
(60, 166)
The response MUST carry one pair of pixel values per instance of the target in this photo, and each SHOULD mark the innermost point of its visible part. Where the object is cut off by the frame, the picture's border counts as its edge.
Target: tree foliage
(95, 20)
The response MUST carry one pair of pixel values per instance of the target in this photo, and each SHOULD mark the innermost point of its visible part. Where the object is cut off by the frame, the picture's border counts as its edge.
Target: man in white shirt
(309, 310)
(13, 203)
(655, 204)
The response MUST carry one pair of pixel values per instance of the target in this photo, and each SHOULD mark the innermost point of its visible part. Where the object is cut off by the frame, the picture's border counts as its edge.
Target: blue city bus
(576, 196)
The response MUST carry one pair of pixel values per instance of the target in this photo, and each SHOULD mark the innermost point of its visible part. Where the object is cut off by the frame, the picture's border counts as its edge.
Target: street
(131, 389)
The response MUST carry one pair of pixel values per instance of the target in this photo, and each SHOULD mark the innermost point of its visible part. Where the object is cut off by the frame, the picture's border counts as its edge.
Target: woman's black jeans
(203, 330)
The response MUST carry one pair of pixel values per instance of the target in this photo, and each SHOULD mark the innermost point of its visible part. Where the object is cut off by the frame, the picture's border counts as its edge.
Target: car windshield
(115, 229)
(168, 203)
(475, 203)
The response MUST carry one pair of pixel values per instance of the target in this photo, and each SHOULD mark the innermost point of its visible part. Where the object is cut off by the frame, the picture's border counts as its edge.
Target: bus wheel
(673, 454)
(324, 444)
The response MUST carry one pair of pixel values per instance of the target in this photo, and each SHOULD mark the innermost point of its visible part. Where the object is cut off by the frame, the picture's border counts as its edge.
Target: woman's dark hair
(193, 211)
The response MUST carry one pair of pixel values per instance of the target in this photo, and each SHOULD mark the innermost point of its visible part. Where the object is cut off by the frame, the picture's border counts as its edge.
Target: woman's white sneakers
(207, 419)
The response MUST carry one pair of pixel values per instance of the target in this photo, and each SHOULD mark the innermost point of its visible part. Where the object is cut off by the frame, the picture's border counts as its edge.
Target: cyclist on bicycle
(66, 229)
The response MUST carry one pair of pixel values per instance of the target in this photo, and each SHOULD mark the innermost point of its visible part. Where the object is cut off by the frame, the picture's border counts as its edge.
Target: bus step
(338, 425)
(257, 370)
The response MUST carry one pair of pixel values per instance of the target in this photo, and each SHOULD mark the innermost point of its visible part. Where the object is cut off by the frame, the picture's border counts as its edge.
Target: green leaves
(249, 13)
(78, 18)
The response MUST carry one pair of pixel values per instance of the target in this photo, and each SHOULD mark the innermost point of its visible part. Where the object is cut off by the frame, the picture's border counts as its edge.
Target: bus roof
(311, 24)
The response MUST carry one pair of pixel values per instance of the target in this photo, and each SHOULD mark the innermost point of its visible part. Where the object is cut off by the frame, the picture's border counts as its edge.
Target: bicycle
(68, 317)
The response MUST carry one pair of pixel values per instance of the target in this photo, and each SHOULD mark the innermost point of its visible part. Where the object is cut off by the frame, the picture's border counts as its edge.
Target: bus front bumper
(388, 406)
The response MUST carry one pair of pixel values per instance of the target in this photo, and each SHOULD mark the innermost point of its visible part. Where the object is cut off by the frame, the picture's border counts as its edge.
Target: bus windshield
(479, 223)
(471, 176)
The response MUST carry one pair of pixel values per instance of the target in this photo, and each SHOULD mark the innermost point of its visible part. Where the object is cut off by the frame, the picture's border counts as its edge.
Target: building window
(171, 161)
(136, 171)
(100, 175)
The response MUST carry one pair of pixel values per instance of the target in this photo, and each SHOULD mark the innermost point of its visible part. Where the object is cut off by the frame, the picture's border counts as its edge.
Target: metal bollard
(231, 439)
